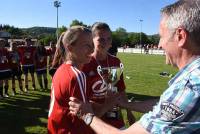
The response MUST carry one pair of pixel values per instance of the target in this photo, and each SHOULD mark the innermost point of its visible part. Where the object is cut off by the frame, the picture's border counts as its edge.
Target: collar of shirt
(185, 71)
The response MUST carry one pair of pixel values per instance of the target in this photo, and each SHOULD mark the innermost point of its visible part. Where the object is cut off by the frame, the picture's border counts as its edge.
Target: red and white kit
(68, 81)
(98, 87)
(27, 55)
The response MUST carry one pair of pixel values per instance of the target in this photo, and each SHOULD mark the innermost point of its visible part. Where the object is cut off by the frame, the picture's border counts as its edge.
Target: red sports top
(68, 81)
(27, 55)
(98, 88)
(41, 62)
(4, 59)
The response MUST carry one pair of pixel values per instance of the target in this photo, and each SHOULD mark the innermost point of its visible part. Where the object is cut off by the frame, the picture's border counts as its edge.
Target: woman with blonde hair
(74, 49)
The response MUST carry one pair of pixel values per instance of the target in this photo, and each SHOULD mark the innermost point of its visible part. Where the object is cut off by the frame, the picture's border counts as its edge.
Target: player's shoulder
(68, 71)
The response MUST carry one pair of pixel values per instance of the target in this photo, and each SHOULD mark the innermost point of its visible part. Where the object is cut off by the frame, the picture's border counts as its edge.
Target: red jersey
(27, 55)
(4, 60)
(68, 81)
(41, 62)
(98, 87)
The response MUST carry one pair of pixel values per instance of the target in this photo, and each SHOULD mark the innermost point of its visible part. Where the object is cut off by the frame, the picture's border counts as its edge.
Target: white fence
(141, 51)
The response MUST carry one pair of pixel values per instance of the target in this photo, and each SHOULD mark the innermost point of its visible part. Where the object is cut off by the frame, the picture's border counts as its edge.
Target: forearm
(141, 106)
(102, 128)
(100, 109)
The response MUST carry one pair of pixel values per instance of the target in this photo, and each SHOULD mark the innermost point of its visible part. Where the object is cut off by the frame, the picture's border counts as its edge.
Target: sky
(117, 13)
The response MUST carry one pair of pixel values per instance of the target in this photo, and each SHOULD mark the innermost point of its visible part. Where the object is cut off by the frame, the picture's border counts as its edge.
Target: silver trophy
(110, 76)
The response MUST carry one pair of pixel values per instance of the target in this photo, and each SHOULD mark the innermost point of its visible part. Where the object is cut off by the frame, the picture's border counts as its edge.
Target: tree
(120, 36)
(15, 32)
(154, 39)
(76, 22)
(47, 39)
(61, 30)
(134, 38)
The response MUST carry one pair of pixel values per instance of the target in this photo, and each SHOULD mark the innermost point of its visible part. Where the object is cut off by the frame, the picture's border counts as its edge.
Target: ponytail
(60, 52)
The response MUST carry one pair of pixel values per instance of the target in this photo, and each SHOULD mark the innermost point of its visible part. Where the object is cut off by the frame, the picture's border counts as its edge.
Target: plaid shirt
(178, 110)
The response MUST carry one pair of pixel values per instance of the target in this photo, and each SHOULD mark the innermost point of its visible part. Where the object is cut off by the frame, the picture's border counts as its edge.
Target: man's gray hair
(184, 14)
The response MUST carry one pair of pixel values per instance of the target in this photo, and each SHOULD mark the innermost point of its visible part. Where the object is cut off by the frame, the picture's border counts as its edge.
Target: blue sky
(117, 13)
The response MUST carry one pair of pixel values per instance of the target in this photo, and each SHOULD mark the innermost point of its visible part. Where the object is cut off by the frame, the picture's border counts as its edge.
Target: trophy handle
(121, 70)
(122, 67)
(99, 70)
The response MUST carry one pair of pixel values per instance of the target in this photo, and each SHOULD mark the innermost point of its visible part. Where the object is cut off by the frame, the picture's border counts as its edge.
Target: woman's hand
(79, 108)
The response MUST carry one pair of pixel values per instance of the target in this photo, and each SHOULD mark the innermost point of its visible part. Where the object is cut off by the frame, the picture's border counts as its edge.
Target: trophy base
(113, 114)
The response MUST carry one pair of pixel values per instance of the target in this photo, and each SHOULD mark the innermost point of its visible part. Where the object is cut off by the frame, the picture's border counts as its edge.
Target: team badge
(170, 112)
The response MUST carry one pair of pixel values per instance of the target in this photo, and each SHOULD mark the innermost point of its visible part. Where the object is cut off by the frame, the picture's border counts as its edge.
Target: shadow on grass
(140, 97)
(22, 112)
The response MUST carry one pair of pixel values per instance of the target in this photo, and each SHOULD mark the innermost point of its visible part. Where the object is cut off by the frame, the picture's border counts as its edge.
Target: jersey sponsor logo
(99, 89)
(170, 112)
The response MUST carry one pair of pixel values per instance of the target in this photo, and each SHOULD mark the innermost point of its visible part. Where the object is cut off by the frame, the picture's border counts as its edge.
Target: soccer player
(69, 80)
(15, 67)
(51, 52)
(5, 71)
(41, 66)
(27, 60)
(102, 39)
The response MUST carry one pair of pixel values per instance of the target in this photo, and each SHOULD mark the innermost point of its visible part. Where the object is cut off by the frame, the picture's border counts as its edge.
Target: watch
(88, 118)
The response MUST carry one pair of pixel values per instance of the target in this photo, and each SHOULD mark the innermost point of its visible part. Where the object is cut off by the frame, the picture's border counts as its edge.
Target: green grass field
(28, 113)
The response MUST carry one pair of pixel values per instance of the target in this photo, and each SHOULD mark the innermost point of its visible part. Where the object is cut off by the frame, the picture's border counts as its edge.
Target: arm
(97, 124)
(130, 116)
(139, 106)
(102, 128)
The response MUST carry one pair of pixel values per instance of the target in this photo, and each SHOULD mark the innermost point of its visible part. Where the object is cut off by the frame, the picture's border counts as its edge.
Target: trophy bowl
(110, 76)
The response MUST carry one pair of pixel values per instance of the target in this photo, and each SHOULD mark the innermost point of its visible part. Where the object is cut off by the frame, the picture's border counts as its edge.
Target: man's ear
(181, 37)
